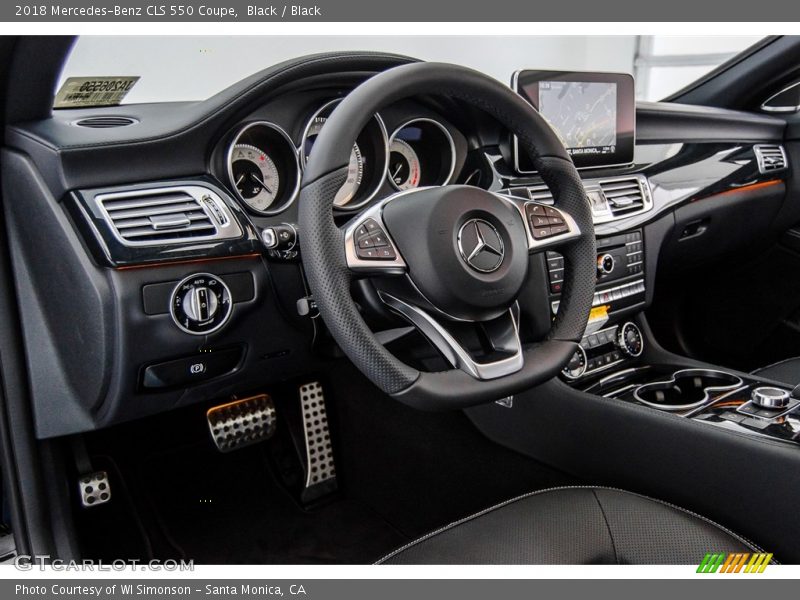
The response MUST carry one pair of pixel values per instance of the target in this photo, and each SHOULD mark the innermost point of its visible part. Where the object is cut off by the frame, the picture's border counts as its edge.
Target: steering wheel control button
(538, 222)
(192, 369)
(372, 242)
(481, 246)
(536, 210)
(770, 398)
(201, 304)
(545, 221)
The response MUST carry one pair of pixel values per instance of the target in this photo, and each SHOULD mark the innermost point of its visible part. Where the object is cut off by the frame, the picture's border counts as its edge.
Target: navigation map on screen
(584, 113)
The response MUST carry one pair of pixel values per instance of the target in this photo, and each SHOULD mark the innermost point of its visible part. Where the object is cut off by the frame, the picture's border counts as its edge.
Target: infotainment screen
(593, 113)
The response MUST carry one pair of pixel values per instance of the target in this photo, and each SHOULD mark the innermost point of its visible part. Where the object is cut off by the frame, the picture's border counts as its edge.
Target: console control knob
(770, 397)
(201, 304)
(605, 264)
(630, 340)
(576, 367)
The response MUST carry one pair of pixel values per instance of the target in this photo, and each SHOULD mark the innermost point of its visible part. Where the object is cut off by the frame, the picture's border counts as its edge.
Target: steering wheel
(448, 259)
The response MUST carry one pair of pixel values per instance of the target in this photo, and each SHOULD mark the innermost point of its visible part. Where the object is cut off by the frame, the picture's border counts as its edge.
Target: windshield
(194, 67)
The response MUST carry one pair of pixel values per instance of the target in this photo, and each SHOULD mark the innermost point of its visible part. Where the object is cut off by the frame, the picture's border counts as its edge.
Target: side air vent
(624, 196)
(770, 158)
(166, 216)
(105, 122)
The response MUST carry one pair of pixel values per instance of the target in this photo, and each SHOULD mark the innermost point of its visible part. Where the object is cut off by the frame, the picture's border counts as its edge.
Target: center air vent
(610, 199)
(168, 216)
(770, 158)
(105, 122)
(624, 196)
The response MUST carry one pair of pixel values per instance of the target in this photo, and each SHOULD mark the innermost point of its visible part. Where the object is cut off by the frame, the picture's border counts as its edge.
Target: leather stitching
(608, 526)
(753, 547)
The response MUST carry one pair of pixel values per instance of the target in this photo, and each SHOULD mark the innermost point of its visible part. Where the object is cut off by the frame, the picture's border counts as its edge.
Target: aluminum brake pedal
(242, 422)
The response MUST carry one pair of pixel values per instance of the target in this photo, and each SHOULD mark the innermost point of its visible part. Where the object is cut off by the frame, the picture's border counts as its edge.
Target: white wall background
(193, 67)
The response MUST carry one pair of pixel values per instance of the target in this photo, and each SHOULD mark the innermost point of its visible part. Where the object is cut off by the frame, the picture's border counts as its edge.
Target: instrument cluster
(265, 165)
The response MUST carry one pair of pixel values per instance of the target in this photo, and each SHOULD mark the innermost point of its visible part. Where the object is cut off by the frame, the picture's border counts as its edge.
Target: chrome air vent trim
(625, 196)
(167, 216)
(770, 158)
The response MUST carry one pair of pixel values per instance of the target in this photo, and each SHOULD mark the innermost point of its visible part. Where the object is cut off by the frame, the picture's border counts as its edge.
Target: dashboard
(180, 223)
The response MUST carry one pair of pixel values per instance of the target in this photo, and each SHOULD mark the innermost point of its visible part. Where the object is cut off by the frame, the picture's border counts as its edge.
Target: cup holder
(685, 389)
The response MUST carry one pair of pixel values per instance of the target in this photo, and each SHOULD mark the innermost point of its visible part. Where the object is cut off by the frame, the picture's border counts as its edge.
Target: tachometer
(355, 168)
(404, 165)
(255, 176)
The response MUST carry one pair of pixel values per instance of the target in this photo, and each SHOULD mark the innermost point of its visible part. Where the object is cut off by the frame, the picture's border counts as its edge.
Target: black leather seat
(786, 371)
(575, 525)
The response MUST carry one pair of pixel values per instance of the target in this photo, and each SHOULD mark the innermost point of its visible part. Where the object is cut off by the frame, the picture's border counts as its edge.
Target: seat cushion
(575, 525)
(786, 371)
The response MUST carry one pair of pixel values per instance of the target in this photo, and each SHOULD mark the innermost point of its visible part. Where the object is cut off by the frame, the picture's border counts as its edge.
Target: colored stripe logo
(739, 562)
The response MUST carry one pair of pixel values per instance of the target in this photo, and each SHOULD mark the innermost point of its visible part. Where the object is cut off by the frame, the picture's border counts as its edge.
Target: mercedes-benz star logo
(480, 245)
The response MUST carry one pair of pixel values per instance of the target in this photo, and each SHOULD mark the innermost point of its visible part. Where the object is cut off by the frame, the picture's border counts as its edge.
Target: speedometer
(404, 165)
(355, 168)
(263, 167)
(255, 176)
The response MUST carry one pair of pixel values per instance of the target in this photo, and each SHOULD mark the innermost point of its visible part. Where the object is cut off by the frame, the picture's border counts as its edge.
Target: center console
(736, 402)
(620, 290)
(613, 359)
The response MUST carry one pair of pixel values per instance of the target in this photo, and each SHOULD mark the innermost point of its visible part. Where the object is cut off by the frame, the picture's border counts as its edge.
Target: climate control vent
(610, 199)
(105, 122)
(770, 158)
(165, 216)
(624, 196)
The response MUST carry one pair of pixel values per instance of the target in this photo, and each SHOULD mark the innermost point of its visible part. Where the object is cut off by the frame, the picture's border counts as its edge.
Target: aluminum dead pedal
(320, 476)
(94, 489)
(242, 422)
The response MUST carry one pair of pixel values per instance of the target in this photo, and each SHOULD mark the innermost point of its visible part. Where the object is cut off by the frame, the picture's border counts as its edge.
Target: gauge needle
(257, 181)
(397, 170)
(238, 181)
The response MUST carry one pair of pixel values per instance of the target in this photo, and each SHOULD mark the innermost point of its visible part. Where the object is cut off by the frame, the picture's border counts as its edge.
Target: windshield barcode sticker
(80, 92)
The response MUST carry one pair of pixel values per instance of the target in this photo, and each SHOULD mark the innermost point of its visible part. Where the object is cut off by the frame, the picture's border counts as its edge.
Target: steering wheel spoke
(501, 333)
(369, 249)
